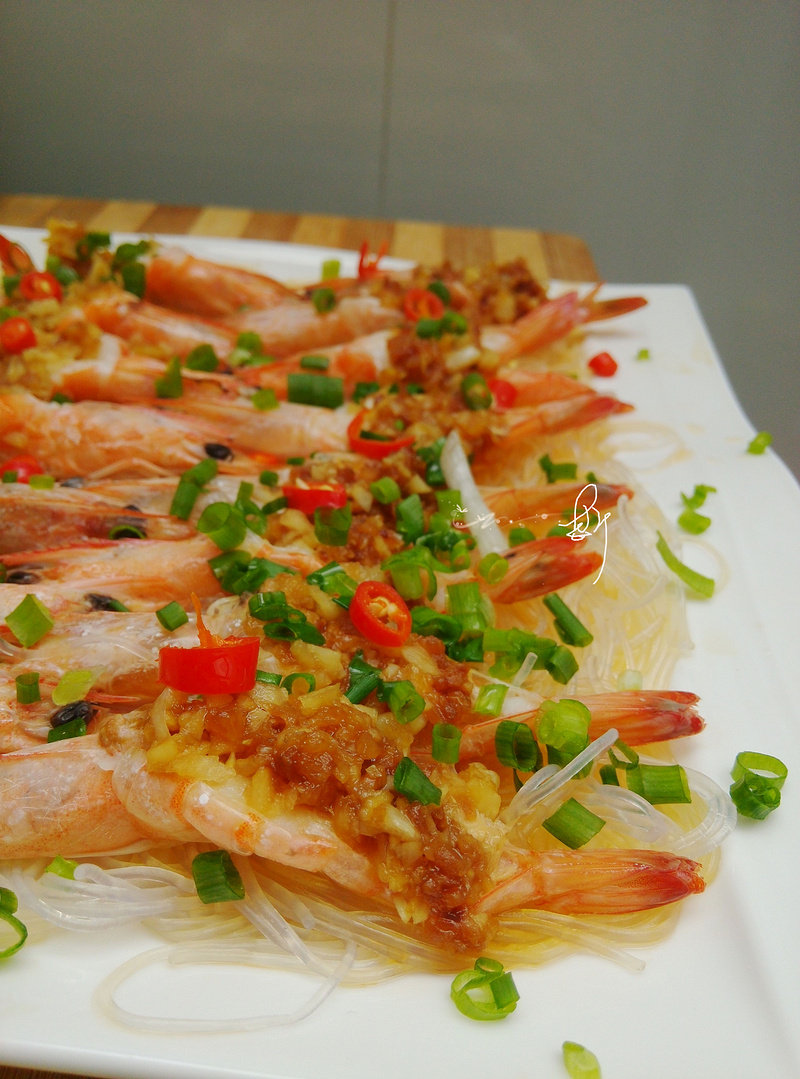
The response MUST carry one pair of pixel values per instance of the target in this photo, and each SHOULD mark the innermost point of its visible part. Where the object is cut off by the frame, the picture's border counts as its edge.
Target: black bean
(75, 710)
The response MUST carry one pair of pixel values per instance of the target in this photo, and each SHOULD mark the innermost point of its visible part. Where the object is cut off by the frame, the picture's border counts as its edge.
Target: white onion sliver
(480, 519)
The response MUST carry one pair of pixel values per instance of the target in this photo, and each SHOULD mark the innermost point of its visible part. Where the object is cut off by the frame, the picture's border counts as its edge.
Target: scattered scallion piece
(27, 686)
(202, 358)
(573, 824)
(170, 384)
(172, 615)
(445, 743)
(581, 1063)
(659, 784)
(757, 782)
(265, 399)
(73, 728)
(62, 867)
(29, 621)
(515, 746)
(519, 534)
(489, 701)
(486, 993)
(760, 443)
(410, 781)
(568, 626)
(73, 686)
(8, 910)
(331, 268)
(323, 299)
(302, 676)
(42, 482)
(475, 391)
(704, 586)
(216, 878)
(563, 726)
(405, 702)
(337, 584)
(223, 524)
(307, 388)
(493, 567)
(363, 678)
(554, 471)
(332, 526)
(643, 354)
(385, 490)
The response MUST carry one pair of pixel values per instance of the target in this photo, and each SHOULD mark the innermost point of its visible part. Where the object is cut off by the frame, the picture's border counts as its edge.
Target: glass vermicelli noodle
(340, 590)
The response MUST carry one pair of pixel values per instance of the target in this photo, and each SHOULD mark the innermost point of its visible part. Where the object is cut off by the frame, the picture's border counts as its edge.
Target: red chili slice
(229, 667)
(380, 613)
(422, 303)
(16, 334)
(503, 392)
(321, 496)
(368, 264)
(375, 448)
(603, 364)
(217, 665)
(39, 285)
(24, 465)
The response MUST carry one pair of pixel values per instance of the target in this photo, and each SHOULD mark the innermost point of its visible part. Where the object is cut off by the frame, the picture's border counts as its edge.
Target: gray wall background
(666, 134)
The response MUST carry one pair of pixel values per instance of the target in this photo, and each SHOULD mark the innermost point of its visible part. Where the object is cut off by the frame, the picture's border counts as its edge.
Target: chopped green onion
(659, 784)
(440, 289)
(62, 867)
(465, 601)
(489, 701)
(224, 524)
(430, 623)
(561, 664)
(385, 490)
(407, 569)
(519, 534)
(334, 582)
(73, 686)
(170, 384)
(405, 702)
(8, 910)
(630, 758)
(486, 993)
(696, 581)
(42, 482)
(127, 531)
(410, 781)
(304, 676)
(515, 746)
(216, 878)
(757, 782)
(27, 686)
(134, 278)
(202, 358)
(315, 363)
(323, 299)
(431, 456)
(172, 615)
(332, 525)
(693, 522)
(29, 621)
(73, 728)
(268, 678)
(410, 518)
(445, 743)
(363, 678)
(363, 390)
(569, 628)
(566, 470)
(265, 399)
(331, 268)
(282, 622)
(475, 391)
(563, 726)
(268, 478)
(493, 567)
(324, 391)
(760, 442)
(573, 824)
(696, 499)
(581, 1063)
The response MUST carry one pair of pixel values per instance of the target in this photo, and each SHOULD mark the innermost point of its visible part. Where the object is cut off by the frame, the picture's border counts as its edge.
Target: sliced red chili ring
(422, 303)
(380, 613)
(319, 496)
(503, 392)
(227, 667)
(25, 466)
(16, 334)
(375, 448)
(39, 285)
(603, 364)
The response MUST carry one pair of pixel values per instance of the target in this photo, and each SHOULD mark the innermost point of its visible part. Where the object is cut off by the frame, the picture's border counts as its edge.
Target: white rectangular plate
(718, 998)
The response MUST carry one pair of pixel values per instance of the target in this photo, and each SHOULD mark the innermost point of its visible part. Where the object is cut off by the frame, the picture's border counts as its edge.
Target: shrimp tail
(542, 566)
(592, 882)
